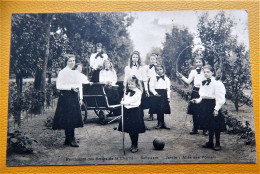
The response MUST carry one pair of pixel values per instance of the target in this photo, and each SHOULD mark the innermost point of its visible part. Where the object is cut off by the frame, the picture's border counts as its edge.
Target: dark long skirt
(207, 121)
(160, 104)
(95, 76)
(133, 121)
(144, 100)
(68, 113)
(193, 107)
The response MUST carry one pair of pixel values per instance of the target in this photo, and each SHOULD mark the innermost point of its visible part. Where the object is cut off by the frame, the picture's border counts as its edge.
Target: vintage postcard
(151, 87)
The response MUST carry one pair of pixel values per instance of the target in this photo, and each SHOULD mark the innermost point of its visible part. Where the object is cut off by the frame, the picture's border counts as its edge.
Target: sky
(149, 28)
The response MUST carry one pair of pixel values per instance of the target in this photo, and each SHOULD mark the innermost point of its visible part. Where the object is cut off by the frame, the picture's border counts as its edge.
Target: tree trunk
(40, 76)
(19, 83)
(236, 105)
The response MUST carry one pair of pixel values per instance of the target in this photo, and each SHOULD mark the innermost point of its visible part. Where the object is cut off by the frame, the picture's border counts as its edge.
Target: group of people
(145, 87)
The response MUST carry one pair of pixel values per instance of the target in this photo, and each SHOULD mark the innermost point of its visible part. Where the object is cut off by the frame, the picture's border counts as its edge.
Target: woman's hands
(147, 93)
(215, 113)
(179, 75)
(75, 89)
(197, 101)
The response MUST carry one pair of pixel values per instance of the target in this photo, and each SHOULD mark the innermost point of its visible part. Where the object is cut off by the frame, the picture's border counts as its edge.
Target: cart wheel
(102, 118)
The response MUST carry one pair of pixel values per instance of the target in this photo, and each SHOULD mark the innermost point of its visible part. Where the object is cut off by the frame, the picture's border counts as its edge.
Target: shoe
(217, 147)
(205, 133)
(73, 143)
(165, 127)
(159, 126)
(150, 117)
(194, 131)
(131, 148)
(134, 149)
(208, 145)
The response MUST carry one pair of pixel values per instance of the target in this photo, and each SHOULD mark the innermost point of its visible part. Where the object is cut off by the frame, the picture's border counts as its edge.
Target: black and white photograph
(136, 87)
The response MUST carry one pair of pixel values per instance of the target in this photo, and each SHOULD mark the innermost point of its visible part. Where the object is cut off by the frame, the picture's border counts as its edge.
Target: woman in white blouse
(212, 98)
(68, 113)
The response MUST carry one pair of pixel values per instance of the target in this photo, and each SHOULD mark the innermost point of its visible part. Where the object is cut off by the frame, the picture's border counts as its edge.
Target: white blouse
(68, 79)
(160, 84)
(215, 90)
(151, 72)
(96, 62)
(133, 101)
(108, 76)
(139, 72)
(194, 76)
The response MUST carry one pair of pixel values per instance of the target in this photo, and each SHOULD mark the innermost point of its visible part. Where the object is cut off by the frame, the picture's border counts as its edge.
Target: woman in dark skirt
(160, 88)
(133, 122)
(212, 97)
(68, 113)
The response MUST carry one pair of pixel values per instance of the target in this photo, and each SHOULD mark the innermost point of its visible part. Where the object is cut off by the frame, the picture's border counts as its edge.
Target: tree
(23, 61)
(238, 79)
(176, 49)
(222, 51)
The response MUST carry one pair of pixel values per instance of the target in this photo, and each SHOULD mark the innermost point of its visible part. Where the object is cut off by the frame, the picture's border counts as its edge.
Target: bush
(18, 142)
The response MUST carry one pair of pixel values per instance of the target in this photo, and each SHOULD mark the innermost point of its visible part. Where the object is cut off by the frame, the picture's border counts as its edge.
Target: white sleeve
(101, 79)
(151, 85)
(91, 60)
(220, 93)
(145, 76)
(85, 79)
(190, 78)
(168, 87)
(61, 82)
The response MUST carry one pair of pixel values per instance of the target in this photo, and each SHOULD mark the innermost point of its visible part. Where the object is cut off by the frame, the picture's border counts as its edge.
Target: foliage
(29, 99)
(222, 51)
(24, 55)
(18, 142)
(78, 34)
(177, 45)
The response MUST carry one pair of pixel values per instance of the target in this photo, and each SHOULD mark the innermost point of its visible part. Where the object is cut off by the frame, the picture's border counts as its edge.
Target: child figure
(212, 97)
(133, 122)
(108, 74)
(151, 73)
(109, 77)
(196, 76)
(160, 87)
(96, 62)
(135, 69)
